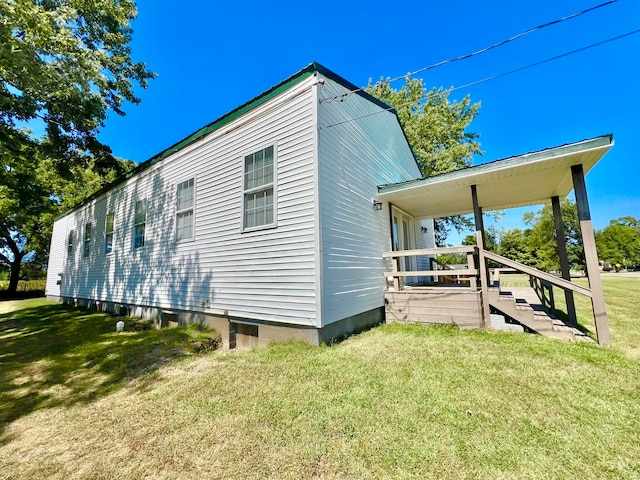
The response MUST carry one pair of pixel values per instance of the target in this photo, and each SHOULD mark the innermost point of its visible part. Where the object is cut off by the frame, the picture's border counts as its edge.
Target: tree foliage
(619, 242)
(436, 128)
(66, 64)
(490, 239)
(514, 244)
(24, 197)
(32, 193)
(542, 242)
(536, 246)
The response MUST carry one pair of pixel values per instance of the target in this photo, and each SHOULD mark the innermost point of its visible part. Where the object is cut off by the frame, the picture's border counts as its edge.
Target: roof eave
(523, 180)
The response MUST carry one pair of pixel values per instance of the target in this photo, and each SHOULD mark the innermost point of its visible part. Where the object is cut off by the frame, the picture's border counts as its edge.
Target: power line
(478, 52)
(493, 77)
(547, 60)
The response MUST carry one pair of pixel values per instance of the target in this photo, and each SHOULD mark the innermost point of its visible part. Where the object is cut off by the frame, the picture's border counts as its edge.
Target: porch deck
(462, 301)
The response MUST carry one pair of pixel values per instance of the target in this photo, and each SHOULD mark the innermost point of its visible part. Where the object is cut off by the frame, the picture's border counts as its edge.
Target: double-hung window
(140, 223)
(70, 245)
(108, 233)
(86, 246)
(259, 189)
(185, 200)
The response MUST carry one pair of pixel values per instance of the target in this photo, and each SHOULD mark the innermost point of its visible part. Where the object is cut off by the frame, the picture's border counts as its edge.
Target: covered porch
(531, 179)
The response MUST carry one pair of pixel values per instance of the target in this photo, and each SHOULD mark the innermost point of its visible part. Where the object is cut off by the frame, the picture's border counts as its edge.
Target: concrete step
(498, 323)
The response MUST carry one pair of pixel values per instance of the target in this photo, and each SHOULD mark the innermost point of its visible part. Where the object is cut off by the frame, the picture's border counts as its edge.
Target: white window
(259, 191)
(70, 245)
(140, 222)
(87, 240)
(108, 233)
(185, 200)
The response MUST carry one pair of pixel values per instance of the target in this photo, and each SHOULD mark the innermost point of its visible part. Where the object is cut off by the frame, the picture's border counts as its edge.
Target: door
(404, 239)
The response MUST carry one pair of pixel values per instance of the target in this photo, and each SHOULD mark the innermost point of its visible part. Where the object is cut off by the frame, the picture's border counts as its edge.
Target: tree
(437, 131)
(541, 237)
(490, 239)
(32, 193)
(515, 245)
(619, 242)
(66, 64)
(25, 196)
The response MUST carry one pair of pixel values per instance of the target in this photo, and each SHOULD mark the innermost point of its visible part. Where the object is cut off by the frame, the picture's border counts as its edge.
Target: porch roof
(529, 179)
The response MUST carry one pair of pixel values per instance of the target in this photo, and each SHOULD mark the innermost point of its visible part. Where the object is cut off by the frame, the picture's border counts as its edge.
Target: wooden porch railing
(469, 274)
(473, 275)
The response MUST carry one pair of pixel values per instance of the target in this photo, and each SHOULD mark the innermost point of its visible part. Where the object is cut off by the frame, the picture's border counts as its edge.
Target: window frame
(192, 208)
(70, 242)
(109, 233)
(265, 187)
(86, 240)
(136, 224)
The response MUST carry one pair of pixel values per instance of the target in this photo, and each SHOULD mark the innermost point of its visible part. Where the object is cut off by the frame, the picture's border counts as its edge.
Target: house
(264, 224)
(302, 214)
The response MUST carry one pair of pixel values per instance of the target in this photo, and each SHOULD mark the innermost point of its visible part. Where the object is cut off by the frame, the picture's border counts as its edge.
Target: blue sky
(214, 56)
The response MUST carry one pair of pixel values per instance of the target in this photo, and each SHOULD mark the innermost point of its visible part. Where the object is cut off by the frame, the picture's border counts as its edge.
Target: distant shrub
(26, 289)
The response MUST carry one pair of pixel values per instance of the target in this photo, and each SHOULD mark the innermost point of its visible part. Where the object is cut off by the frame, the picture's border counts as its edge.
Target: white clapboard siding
(266, 274)
(56, 257)
(354, 158)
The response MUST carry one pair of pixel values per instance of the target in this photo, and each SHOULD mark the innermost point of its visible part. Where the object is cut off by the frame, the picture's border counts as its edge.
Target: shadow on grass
(562, 315)
(5, 296)
(54, 355)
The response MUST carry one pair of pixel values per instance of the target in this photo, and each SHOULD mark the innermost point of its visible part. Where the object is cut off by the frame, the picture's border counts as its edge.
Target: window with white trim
(108, 233)
(86, 246)
(140, 224)
(185, 200)
(70, 245)
(259, 191)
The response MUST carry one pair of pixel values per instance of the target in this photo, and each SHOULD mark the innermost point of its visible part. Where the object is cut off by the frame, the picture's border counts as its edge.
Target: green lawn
(78, 400)
(623, 307)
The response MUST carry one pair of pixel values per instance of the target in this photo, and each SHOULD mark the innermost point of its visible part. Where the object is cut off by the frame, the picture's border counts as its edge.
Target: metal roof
(227, 118)
(528, 179)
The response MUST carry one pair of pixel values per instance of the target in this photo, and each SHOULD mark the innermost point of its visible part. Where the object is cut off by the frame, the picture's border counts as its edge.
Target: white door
(404, 239)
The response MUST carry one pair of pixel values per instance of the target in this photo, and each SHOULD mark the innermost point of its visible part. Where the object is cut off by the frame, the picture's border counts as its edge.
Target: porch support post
(484, 278)
(564, 258)
(591, 256)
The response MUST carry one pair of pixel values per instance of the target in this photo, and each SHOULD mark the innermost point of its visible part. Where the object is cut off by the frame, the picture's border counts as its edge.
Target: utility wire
(493, 77)
(478, 52)
(547, 60)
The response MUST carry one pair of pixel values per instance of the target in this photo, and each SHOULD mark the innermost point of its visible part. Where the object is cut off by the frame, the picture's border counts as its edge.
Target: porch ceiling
(528, 179)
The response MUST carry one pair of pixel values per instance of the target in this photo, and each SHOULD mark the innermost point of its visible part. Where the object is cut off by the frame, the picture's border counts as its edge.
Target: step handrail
(559, 282)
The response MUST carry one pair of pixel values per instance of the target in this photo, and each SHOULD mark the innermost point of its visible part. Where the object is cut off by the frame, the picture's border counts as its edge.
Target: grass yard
(621, 291)
(78, 400)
